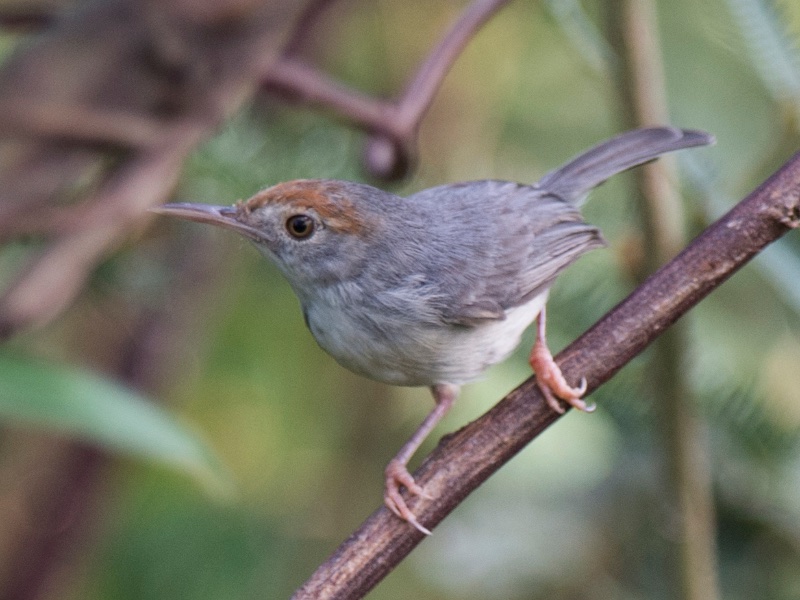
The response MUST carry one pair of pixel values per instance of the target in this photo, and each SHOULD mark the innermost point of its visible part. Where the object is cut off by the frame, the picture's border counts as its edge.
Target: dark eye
(300, 226)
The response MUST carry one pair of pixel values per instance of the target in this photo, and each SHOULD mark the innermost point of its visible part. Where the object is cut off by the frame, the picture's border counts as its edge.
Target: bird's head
(317, 231)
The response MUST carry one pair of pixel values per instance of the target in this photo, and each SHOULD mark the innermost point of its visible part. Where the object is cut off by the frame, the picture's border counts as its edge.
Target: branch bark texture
(466, 458)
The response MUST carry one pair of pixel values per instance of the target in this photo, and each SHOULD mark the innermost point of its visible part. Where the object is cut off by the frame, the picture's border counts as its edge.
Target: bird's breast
(396, 348)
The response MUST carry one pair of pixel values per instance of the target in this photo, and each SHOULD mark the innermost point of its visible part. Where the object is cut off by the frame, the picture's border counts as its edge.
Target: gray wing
(487, 246)
(498, 246)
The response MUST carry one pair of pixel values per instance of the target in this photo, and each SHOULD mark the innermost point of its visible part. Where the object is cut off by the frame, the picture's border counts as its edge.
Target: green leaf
(99, 411)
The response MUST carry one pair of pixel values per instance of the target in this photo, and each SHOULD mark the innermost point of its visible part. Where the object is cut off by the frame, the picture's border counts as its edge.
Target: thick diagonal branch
(465, 459)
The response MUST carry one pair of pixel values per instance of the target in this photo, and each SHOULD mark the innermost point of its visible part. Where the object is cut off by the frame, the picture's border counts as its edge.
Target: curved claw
(397, 475)
(552, 384)
(577, 402)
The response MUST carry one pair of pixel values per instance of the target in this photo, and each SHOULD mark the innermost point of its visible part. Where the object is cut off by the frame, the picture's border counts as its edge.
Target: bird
(434, 288)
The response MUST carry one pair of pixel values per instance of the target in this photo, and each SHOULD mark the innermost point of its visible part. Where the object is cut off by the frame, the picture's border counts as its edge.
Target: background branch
(466, 458)
(132, 154)
(688, 507)
(31, 15)
(393, 123)
(64, 484)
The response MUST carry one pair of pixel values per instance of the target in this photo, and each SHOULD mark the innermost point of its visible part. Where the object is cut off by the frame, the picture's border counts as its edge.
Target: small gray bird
(434, 288)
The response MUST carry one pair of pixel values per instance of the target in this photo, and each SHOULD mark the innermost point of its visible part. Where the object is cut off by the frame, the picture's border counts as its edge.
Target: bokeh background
(585, 511)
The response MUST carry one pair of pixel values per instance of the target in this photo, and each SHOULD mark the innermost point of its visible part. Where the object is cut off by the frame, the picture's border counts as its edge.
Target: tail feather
(574, 180)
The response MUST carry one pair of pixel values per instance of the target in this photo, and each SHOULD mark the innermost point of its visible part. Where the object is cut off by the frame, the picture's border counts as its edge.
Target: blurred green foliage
(86, 406)
(577, 514)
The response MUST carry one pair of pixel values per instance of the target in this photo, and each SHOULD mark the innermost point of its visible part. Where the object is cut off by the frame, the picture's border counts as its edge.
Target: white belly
(399, 353)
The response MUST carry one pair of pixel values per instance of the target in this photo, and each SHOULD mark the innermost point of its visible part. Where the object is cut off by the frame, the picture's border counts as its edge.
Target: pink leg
(549, 377)
(397, 470)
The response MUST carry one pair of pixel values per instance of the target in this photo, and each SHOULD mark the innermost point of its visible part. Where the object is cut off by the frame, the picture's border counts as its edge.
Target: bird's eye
(300, 227)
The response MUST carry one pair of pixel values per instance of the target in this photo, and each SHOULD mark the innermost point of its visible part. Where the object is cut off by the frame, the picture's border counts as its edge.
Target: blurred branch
(688, 494)
(393, 123)
(21, 20)
(31, 14)
(54, 483)
(156, 80)
(78, 125)
(59, 484)
(56, 276)
(466, 458)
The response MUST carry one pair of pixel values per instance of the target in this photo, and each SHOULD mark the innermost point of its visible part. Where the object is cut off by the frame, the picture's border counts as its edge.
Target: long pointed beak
(221, 216)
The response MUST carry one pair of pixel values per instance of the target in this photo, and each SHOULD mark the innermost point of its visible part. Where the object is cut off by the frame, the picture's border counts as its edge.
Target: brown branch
(60, 489)
(157, 81)
(465, 459)
(29, 16)
(95, 127)
(419, 93)
(296, 79)
(56, 276)
(393, 123)
(304, 25)
(54, 136)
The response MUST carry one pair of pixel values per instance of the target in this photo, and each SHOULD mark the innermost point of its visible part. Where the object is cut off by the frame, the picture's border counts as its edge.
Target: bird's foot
(552, 384)
(397, 475)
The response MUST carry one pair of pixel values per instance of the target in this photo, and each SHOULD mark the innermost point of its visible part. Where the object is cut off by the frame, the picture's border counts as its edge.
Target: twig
(465, 459)
(92, 126)
(303, 26)
(158, 82)
(27, 19)
(56, 276)
(390, 121)
(419, 93)
(296, 79)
